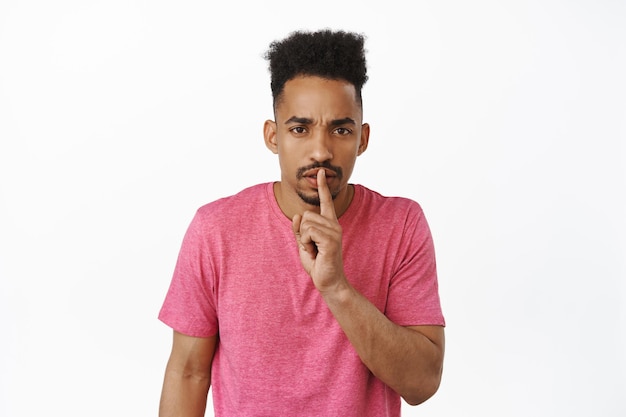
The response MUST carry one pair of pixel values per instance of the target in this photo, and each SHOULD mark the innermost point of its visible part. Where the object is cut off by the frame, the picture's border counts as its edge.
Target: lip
(313, 181)
(313, 173)
(311, 176)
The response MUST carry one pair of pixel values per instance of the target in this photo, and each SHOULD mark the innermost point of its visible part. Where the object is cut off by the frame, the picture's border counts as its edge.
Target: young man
(309, 296)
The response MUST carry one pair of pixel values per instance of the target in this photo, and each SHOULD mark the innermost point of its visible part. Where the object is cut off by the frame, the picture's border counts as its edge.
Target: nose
(321, 147)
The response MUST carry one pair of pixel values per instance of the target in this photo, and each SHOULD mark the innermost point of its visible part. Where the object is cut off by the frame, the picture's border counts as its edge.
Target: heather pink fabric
(280, 350)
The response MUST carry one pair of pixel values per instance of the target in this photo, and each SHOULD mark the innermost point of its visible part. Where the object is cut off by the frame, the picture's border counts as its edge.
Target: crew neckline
(343, 219)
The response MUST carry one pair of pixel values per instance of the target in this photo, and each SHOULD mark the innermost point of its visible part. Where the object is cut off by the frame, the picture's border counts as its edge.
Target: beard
(314, 200)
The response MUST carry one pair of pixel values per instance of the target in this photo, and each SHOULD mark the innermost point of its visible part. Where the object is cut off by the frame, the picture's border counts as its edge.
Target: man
(309, 296)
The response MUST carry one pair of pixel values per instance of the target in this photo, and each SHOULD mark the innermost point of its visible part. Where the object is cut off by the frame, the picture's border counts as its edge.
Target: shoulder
(231, 208)
(391, 215)
(376, 202)
(241, 201)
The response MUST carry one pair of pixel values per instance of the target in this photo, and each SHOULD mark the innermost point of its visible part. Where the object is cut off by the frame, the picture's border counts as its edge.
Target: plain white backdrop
(505, 120)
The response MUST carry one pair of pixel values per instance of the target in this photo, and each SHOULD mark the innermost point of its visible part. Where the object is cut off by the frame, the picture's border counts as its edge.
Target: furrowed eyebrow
(307, 121)
(299, 120)
(344, 121)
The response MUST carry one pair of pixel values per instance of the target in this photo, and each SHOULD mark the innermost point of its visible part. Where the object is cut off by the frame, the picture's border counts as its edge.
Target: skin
(318, 121)
(187, 376)
(318, 135)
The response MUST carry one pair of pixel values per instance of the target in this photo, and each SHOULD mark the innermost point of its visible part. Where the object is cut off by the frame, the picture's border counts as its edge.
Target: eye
(298, 130)
(343, 131)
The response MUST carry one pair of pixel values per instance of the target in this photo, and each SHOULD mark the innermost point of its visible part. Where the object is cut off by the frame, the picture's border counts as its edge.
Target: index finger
(327, 207)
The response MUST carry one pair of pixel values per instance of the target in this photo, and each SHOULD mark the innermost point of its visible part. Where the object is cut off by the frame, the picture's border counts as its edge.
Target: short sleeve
(189, 305)
(414, 291)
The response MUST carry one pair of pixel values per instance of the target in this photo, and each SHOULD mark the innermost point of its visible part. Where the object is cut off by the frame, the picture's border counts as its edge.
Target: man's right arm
(187, 376)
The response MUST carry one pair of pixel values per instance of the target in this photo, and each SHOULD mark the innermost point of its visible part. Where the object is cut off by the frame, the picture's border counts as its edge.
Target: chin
(313, 198)
(310, 199)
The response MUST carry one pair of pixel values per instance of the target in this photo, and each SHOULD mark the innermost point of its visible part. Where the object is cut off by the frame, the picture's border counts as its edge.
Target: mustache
(337, 170)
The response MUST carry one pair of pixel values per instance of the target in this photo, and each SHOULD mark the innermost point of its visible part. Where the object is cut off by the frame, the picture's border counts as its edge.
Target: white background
(505, 120)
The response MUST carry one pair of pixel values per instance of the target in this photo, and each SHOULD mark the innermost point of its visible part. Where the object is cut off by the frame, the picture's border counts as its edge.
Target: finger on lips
(327, 208)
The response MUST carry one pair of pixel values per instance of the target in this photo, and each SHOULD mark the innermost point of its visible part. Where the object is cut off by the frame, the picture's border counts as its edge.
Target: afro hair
(336, 55)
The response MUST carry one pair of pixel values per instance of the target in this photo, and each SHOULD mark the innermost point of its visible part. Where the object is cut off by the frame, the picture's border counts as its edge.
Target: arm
(407, 359)
(187, 376)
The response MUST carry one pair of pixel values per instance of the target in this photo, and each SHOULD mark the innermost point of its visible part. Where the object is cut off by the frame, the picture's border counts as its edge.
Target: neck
(291, 204)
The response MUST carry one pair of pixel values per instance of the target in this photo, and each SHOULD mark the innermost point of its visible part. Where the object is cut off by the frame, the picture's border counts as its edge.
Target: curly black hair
(336, 55)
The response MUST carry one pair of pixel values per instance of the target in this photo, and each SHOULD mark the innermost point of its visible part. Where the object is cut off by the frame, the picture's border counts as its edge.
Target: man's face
(318, 126)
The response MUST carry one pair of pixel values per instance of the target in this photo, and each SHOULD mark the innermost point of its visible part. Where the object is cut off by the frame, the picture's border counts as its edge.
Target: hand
(319, 240)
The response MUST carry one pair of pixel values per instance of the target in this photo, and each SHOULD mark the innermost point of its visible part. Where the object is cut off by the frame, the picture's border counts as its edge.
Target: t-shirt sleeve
(414, 289)
(189, 305)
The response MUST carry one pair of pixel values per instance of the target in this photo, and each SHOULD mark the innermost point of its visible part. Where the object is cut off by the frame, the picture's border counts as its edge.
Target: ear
(365, 138)
(269, 134)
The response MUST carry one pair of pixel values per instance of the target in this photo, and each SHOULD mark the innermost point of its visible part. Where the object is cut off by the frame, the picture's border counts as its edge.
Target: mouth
(310, 177)
(309, 174)
(312, 173)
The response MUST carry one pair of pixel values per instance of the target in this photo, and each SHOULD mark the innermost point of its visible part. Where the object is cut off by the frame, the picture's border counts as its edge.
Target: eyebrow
(307, 121)
(299, 120)
(344, 121)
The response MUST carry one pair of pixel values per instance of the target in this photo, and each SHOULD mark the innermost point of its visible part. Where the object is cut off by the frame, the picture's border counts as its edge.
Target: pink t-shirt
(280, 351)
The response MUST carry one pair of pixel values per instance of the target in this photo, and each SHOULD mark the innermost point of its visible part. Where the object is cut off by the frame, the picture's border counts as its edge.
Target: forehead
(312, 94)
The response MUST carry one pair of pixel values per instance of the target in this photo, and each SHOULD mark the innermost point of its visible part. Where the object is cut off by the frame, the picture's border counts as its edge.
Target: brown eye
(343, 131)
(298, 130)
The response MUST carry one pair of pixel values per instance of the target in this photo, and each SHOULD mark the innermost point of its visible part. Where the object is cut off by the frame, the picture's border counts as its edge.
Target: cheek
(292, 153)
(349, 162)
(287, 160)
